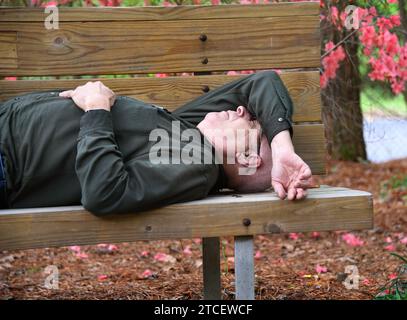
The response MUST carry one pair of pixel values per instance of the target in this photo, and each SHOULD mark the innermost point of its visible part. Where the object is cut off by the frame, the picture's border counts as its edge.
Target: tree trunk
(341, 110)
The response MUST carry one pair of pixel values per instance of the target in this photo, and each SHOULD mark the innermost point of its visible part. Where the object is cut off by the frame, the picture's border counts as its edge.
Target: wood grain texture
(132, 47)
(185, 12)
(326, 208)
(172, 92)
(309, 144)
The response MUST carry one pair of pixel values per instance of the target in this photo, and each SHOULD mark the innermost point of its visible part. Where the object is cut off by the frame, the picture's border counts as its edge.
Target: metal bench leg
(244, 268)
(211, 268)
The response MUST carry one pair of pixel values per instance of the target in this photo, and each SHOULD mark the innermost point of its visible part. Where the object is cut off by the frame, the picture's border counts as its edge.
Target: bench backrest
(144, 40)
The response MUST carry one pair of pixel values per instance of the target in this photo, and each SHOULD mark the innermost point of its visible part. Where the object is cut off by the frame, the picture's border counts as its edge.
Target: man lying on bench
(119, 154)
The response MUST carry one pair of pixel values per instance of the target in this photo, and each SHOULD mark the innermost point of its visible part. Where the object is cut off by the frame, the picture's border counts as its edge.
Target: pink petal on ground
(321, 269)
(293, 236)
(258, 255)
(352, 240)
(403, 240)
(112, 247)
(163, 257)
(75, 248)
(145, 253)
(160, 256)
(316, 235)
(392, 276)
(366, 282)
(197, 240)
(389, 240)
(147, 273)
(390, 247)
(81, 255)
(187, 250)
(102, 277)
(10, 78)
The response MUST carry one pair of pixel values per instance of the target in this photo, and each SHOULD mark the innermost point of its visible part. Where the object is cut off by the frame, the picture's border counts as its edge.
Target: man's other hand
(91, 96)
(290, 176)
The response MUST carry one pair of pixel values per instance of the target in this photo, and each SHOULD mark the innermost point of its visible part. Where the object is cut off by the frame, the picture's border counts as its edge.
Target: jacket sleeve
(110, 186)
(263, 93)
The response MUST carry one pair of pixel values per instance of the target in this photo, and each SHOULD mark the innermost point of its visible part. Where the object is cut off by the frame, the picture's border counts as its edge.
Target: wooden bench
(200, 39)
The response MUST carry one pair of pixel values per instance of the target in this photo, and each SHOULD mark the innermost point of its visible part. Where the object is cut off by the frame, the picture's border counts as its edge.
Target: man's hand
(91, 96)
(290, 175)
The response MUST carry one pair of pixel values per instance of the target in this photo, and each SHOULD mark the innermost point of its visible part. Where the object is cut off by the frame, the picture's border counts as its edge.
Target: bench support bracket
(244, 268)
(211, 268)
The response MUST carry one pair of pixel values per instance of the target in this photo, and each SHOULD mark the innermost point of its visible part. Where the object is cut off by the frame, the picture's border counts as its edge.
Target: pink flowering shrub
(387, 56)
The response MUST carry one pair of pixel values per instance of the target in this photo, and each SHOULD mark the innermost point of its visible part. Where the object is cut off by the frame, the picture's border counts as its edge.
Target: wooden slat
(185, 12)
(309, 144)
(324, 209)
(131, 47)
(172, 92)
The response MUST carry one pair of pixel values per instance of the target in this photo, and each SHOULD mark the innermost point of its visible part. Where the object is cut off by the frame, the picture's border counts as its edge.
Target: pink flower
(403, 240)
(187, 250)
(102, 277)
(163, 257)
(145, 253)
(352, 240)
(147, 273)
(293, 236)
(10, 78)
(315, 235)
(161, 75)
(389, 240)
(81, 255)
(49, 4)
(112, 247)
(366, 282)
(258, 255)
(75, 248)
(321, 269)
(392, 276)
(390, 247)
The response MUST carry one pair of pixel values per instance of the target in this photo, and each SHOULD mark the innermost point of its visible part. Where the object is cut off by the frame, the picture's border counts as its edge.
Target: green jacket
(55, 154)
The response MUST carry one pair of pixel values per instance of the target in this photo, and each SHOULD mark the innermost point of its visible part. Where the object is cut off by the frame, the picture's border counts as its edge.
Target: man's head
(245, 151)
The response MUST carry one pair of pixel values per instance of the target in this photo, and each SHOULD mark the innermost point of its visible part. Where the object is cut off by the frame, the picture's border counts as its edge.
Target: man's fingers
(305, 173)
(301, 193)
(292, 192)
(66, 94)
(279, 189)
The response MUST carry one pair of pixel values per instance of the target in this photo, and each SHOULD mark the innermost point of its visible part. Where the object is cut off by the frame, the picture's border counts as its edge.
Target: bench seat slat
(326, 208)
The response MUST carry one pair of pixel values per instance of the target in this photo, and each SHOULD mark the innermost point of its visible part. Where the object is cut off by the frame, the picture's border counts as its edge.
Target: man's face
(232, 132)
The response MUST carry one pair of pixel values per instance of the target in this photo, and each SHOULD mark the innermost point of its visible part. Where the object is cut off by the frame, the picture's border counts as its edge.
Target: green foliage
(395, 289)
(396, 186)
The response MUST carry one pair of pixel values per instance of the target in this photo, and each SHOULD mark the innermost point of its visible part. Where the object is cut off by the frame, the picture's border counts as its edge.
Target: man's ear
(252, 160)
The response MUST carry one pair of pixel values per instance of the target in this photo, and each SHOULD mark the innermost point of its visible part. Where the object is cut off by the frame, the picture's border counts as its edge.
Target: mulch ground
(289, 266)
